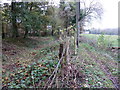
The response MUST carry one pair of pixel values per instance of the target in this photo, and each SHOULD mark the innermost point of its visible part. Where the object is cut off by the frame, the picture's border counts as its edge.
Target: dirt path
(106, 70)
(110, 76)
(105, 62)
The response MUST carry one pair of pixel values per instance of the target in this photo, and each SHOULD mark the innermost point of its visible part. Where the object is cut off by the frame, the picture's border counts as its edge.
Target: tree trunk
(3, 34)
(53, 29)
(14, 26)
(26, 32)
(75, 49)
(52, 32)
(67, 25)
(77, 21)
(3, 31)
(31, 5)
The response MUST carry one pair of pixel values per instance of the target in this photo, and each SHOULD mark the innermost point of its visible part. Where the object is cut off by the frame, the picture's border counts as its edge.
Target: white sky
(109, 18)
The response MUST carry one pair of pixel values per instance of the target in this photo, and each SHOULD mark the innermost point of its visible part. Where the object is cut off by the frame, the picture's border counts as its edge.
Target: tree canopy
(34, 17)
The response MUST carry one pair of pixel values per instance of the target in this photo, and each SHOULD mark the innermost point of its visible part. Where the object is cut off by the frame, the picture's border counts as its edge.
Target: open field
(113, 39)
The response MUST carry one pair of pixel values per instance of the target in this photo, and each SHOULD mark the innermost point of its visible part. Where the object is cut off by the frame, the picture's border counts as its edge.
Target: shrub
(102, 42)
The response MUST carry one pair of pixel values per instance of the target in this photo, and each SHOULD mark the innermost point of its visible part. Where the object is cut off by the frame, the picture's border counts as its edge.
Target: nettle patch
(29, 76)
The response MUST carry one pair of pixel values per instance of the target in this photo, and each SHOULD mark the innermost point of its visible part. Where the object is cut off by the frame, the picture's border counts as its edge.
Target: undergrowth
(29, 76)
(95, 76)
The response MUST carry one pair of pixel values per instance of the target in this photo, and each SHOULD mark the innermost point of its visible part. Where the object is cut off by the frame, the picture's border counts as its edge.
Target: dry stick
(55, 71)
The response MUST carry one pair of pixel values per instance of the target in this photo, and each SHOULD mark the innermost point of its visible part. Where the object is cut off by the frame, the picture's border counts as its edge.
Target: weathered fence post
(61, 50)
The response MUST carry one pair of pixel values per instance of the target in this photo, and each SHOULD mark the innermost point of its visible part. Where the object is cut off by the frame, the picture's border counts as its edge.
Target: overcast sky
(109, 18)
(110, 15)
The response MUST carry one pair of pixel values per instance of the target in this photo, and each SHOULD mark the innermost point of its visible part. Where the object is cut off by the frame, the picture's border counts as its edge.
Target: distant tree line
(105, 31)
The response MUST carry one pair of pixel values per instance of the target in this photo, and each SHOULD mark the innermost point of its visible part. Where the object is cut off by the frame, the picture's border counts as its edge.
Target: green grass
(95, 76)
(113, 39)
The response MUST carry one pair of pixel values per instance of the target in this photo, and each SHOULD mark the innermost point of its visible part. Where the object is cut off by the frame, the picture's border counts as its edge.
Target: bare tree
(91, 9)
(85, 12)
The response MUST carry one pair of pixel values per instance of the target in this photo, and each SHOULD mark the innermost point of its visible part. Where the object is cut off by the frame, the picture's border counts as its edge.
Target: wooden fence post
(61, 50)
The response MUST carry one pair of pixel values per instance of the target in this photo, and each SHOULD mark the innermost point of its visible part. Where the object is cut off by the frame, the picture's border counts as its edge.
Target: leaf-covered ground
(23, 51)
(22, 59)
(30, 64)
